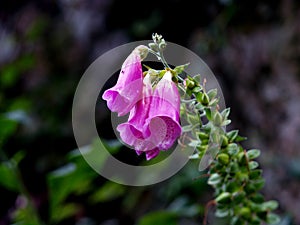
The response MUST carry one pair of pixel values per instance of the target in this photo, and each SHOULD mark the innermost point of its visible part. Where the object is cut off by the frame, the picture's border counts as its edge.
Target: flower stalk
(165, 98)
(233, 171)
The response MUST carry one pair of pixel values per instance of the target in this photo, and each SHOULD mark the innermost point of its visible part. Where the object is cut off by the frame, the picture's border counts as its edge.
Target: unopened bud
(142, 50)
(189, 83)
(245, 212)
(153, 46)
(223, 158)
(224, 141)
(202, 135)
(162, 45)
(218, 119)
(205, 99)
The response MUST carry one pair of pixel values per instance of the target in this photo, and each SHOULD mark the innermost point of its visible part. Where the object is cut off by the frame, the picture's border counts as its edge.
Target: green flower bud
(202, 135)
(223, 158)
(202, 148)
(142, 50)
(205, 99)
(245, 212)
(218, 119)
(204, 142)
(162, 45)
(224, 141)
(189, 83)
(242, 176)
(153, 46)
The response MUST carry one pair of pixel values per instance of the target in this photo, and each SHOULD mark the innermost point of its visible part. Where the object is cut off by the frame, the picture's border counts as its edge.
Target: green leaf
(253, 153)
(226, 122)
(179, 69)
(238, 197)
(205, 99)
(107, 192)
(159, 217)
(199, 96)
(236, 220)
(9, 75)
(25, 215)
(254, 221)
(17, 158)
(212, 93)
(9, 172)
(242, 176)
(214, 179)
(197, 78)
(7, 128)
(253, 165)
(269, 205)
(208, 113)
(181, 207)
(196, 90)
(254, 174)
(187, 128)
(232, 149)
(232, 186)
(224, 141)
(64, 211)
(161, 73)
(8, 177)
(213, 102)
(260, 214)
(218, 119)
(242, 159)
(193, 119)
(73, 178)
(257, 198)
(223, 198)
(225, 113)
(222, 213)
(232, 135)
(273, 218)
(240, 138)
(234, 168)
(259, 184)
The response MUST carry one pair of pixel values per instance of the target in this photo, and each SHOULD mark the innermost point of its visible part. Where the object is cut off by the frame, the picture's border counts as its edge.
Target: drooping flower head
(122, 97)
(153, 123)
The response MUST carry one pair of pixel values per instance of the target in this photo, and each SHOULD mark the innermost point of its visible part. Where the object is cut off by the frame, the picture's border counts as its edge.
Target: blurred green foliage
(253, 45)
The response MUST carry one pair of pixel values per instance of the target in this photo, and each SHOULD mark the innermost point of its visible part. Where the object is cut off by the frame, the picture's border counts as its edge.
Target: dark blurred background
(252, 46)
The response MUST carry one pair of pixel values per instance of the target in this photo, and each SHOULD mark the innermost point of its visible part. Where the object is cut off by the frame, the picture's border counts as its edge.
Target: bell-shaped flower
(153, 123)
(128, 90)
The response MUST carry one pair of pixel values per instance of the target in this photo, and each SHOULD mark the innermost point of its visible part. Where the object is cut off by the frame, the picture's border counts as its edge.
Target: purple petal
(150, 154)
(128, 90)
(163, 117)
(154, 121)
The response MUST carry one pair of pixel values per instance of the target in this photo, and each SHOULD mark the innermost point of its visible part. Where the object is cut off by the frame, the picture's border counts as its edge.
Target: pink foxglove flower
(153, 123)
(128, 90)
